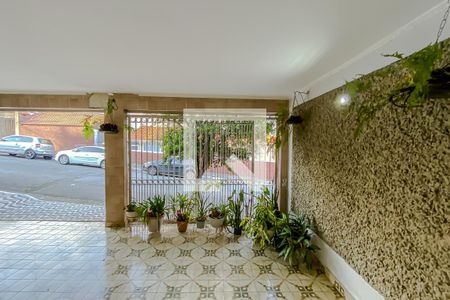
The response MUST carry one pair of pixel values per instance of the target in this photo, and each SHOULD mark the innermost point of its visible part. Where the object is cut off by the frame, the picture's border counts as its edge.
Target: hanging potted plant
(202, 209)
(131, 211)
(235, 208)
(111, 106)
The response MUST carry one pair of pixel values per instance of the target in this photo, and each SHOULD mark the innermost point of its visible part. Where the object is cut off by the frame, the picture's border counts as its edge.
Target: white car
(28, 146)
(86, 155)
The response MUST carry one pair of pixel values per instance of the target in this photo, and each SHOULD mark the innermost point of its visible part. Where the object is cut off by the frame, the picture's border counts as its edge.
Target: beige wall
(115, 173)
(381, 201)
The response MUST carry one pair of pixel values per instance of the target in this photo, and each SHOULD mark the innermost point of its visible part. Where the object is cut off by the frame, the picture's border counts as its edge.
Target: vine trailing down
(425, 75)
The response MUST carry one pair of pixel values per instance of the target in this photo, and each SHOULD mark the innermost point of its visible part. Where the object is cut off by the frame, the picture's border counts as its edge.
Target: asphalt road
(49, 180)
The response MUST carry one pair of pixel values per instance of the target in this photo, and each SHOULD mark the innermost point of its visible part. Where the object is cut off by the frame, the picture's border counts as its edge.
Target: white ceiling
(254, 48)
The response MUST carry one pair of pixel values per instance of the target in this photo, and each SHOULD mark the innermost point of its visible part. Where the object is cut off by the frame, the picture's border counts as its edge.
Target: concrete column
(115, 169)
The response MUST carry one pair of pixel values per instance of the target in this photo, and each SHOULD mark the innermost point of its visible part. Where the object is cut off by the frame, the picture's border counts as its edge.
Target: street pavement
(49, 180)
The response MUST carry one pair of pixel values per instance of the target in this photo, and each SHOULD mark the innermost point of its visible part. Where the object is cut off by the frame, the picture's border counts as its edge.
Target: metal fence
(225, 158)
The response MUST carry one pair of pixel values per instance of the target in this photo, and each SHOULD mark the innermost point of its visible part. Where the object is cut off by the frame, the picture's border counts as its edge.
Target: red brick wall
(63, 137)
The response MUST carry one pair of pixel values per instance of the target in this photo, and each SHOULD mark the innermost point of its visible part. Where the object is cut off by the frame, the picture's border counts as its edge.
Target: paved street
(48, 180)
(44, 190)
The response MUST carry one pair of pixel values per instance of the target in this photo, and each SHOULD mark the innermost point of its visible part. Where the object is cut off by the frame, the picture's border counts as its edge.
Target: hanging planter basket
(109, 128)
(439, 83)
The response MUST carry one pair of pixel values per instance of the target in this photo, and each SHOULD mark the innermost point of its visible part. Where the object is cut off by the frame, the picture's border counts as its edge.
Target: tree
(216, 141)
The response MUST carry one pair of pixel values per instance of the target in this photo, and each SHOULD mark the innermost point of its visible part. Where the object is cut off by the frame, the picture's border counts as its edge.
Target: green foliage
(216, 142)
(153, 207)
(235, 209)
(202, 205)
(218, 212)
(409, 90)
(131, 207)
(294, 232)
(282, 127)
(181, 206)
(260, 226)
(173, 143)
(88, 128)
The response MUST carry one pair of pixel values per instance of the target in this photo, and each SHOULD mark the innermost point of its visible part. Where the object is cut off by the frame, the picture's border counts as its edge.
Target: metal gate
(225, 159)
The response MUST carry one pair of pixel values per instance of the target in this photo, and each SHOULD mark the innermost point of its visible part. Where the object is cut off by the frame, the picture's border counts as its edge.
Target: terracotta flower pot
(182, 226)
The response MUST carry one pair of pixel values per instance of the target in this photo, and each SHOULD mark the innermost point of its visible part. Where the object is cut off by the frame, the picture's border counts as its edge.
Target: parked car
(86, 155)
(28, 146)
(171, 166)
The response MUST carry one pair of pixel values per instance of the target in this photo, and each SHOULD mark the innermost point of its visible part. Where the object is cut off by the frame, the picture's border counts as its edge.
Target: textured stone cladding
(381, 200)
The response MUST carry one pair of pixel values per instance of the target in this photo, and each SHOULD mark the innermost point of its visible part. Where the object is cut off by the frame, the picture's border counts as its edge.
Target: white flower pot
(154, 225)
(216, 223)
(131, 214)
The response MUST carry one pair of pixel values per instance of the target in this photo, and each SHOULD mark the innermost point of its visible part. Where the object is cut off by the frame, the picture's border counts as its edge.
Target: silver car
(28, 146)
(86, 155)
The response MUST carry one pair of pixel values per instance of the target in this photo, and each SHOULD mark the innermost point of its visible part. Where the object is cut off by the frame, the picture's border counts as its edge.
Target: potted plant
(261, 225)
(152, 212)
(235, 208)
(181, 206)
(216, 217)
(182, 220)
(111, 106)
(295, 233)
(131, 210)
(202, 209)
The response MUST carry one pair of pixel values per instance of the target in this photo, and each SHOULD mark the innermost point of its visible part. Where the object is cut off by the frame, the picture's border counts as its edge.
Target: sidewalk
(15, 207)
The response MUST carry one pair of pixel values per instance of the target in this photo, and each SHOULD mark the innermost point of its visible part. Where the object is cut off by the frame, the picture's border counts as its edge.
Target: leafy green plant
(131, 207)
(88, 128)
(202, 205)
(235, 209)
(411, 89)
(181, 207)
(152, 208)
(111, 106)
(217, 212)
(282, 128)
(261, 225)
(295, 232)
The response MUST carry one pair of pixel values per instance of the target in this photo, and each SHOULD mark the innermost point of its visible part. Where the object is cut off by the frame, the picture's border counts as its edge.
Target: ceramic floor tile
(61, 260)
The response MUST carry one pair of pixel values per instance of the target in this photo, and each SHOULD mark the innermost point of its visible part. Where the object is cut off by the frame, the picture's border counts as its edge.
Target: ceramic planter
(200, 224)
(237, 231)
(216, 223)
(182, 226)
(131, 214)
(154, 225)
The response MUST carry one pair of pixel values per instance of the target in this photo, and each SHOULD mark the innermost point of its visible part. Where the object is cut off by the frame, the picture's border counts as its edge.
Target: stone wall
(380, 200)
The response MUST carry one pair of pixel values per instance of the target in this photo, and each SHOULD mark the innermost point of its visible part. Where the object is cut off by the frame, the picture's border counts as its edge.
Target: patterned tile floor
(63, 260)
(14, 206)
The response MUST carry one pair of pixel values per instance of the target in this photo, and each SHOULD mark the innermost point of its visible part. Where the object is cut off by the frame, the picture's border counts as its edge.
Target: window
(25, 139)
(45, 141)
(95, 149)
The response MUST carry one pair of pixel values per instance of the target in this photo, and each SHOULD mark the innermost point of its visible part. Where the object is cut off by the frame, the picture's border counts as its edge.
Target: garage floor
(59, 260)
